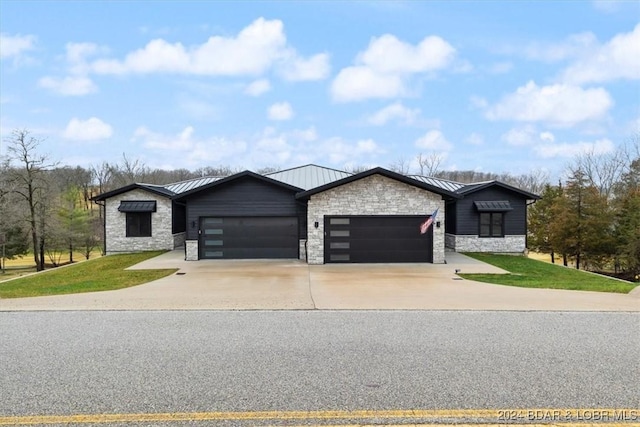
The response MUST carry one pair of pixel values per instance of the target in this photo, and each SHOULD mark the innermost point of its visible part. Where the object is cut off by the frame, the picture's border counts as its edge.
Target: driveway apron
(294, 285)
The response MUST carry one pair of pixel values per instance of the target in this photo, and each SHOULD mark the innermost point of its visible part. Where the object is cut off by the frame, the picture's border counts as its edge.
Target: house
(317, 214)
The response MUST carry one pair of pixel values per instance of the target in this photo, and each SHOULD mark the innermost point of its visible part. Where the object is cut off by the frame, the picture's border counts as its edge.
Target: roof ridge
(308, 164)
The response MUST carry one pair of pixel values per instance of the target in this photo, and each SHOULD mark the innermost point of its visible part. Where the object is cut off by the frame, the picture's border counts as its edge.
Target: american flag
(427, 223)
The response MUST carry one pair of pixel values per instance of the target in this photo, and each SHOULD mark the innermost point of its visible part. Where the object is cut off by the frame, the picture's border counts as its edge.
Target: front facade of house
(316, 214)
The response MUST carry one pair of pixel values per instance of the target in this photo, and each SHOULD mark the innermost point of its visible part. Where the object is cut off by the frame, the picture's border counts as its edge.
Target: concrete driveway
(282, 285)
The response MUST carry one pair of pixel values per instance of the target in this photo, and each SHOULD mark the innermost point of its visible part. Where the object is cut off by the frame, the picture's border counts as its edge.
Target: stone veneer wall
(302, 249)
(115, 225)
(506, 244)
(373, 195)
(191, 250)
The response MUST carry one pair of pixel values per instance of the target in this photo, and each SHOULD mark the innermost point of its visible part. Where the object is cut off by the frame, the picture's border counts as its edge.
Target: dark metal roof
(137, 206)
(236, 176)
(156, 189)
(472, 188)
(493, 206)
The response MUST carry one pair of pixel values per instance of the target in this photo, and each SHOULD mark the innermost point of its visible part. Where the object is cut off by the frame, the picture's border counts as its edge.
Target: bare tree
(429, 164)
(30, 184)
(101, 176)
(129, 171)
(602, 171)
(401, 166)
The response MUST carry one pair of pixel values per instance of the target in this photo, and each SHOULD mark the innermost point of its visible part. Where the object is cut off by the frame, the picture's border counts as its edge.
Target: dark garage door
(376, 239)
(248, 237)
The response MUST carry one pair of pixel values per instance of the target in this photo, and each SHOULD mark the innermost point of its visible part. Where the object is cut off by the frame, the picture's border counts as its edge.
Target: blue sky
(493, 86)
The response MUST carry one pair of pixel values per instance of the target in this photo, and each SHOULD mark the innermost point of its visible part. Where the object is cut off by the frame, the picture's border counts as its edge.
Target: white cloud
(198, 109)
(560, 105)
(358, 83)
(187, 146)
(397, 112)
(552, 150)
(305, 135)
(547, 136)
(571, 47)
(258, 87)
(387, 54)
(91, 129)
(434, 140)
(280, 111)
(607, 6)
(341, 151)
(500, 68)
(77, 54)
(617, 59)
(69, 86)
(384, 69)
(520, 136)
(299, 69)
(11, 46)
(77, 83)
(252, 52)
(475, 139)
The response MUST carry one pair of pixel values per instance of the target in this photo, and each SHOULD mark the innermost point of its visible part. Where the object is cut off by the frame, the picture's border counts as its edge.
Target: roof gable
(232, 178)
(308, 176)
(155, 189)
(472, 188)
(383, 172)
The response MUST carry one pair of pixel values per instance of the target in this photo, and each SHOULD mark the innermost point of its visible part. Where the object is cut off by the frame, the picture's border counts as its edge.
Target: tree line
(591, 219)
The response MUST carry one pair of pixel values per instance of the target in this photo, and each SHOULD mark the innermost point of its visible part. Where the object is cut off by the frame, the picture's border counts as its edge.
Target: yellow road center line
(498, 416)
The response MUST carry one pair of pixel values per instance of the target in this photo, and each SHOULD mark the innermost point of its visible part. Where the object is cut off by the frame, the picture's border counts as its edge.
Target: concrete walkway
(283, 285)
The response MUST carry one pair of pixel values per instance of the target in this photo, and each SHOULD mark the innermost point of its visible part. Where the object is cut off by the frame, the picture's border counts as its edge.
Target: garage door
(248, 237)
(376, 239)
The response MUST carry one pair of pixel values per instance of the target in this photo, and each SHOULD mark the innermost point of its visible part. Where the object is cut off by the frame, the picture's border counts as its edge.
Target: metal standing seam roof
(184, 186)
(438, 182)
(137, 206)
(305, 177)
(308, 176)
(493, 206)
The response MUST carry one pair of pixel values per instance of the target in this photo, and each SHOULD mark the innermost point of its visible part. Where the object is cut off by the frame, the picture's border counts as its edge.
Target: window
(138, 224)
(491, 224)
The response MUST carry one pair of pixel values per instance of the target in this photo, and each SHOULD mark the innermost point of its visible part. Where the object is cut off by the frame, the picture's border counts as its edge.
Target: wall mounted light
(316, 224)
(437, 224)
(193, 224)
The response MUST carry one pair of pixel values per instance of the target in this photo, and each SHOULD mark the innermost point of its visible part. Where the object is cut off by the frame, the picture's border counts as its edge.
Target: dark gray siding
(468, 219)
(450, 219)
(245, 196)
(178, 222)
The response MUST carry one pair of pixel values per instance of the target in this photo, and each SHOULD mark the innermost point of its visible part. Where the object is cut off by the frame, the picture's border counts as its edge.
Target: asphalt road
(226, 362)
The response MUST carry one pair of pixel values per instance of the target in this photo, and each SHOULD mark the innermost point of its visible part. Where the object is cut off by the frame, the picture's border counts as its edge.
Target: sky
(492, 86)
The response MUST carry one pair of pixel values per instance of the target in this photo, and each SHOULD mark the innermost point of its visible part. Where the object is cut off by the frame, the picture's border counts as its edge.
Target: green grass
(530, 273)
(100, 274)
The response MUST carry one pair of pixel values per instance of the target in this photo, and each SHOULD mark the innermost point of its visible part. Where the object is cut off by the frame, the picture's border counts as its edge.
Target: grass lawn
(530, 273)
(100, 274)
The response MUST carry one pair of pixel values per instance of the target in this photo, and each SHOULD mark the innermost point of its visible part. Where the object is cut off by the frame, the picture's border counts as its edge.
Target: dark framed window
(138, 224)
(492, 224)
